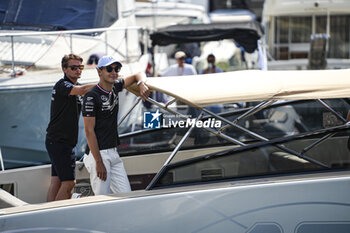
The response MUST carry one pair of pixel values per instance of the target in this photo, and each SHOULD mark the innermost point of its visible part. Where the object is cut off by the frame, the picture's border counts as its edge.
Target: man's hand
(144, 91)
(101, 170)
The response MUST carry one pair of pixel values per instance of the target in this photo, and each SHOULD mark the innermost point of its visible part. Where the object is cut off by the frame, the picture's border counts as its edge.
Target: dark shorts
(62, 159)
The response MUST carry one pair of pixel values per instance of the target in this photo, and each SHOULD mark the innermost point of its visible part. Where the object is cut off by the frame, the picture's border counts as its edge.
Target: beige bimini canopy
(254, 85)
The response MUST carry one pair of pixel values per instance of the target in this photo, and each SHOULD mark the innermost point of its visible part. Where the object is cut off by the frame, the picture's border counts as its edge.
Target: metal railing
(80, 31)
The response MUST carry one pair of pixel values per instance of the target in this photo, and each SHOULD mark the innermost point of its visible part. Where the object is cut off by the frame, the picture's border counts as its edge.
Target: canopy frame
(263, 105)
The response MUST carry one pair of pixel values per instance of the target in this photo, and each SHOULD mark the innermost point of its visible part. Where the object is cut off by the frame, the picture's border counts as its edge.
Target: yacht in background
(235, 15)
(291, 25)
(44, 50)
(158, 14)
(230, 55)
(25, 99)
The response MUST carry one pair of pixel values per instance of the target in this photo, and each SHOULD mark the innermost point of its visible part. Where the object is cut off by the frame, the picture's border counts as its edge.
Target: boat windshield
(47, 15)
(265, 159)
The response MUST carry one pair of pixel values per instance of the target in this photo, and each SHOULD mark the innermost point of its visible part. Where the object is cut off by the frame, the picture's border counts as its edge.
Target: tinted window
(263, 160)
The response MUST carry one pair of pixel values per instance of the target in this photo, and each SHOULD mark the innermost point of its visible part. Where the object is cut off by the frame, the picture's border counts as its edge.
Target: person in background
(209, 70)
(62, 131)
(100, 110)
(211, 66)
(93, 59)
(178, 69)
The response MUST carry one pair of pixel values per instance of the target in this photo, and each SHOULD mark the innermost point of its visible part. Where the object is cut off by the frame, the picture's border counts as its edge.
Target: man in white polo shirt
(180, 68)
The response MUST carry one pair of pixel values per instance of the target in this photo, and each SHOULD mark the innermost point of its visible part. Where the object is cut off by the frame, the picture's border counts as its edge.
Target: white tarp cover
(254, 85)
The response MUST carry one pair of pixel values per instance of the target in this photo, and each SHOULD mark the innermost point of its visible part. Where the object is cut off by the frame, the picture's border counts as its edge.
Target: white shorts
(117, 180)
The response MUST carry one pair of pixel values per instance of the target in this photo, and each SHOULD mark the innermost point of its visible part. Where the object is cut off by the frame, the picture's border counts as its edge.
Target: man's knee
(55, 181)
(69, 184)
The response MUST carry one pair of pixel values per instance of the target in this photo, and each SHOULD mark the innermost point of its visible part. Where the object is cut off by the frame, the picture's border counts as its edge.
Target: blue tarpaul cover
(44, 15)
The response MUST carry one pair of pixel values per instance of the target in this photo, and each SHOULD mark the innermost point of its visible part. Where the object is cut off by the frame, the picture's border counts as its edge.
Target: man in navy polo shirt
(100, 110)
(62, 131)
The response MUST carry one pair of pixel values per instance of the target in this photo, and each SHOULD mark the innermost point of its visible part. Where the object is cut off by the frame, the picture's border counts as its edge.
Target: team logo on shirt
(79, 99)
(104, 98)
(67, 84)
(152, 120)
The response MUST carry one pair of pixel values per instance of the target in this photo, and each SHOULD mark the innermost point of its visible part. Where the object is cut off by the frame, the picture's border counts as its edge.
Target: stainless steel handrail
(69, 31)
(12, 35)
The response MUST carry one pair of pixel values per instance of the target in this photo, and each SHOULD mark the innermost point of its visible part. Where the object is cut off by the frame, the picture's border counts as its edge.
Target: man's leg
(99, 187)
(63, 167)
(55, 182)
(119, 179)
(53, 189)
(65, 191)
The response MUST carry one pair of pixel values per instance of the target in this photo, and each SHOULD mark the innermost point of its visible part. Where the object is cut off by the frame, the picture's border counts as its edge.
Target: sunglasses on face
(182, 58)
(110, 69)
(74, 67)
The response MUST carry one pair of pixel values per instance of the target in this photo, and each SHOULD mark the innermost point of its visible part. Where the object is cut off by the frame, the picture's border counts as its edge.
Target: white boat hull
(295, 204)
